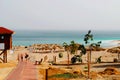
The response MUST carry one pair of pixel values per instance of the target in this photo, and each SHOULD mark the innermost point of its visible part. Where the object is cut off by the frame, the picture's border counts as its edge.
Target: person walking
(26, 56)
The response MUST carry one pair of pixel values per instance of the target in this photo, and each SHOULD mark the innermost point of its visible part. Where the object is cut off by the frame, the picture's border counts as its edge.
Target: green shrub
(85, 67)
(76, 58)
(65, 75)
(60, 55)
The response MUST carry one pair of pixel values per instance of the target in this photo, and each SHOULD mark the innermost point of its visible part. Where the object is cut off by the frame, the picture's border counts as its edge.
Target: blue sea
(29, 37)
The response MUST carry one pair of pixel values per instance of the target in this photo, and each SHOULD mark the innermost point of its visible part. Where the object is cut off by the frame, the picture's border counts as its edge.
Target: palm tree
(83, 50)
(94, 45)
(67, 48)
(73, 47)
(88, 37)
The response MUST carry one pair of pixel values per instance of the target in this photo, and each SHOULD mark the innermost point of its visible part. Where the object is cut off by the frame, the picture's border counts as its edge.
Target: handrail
(2, 52)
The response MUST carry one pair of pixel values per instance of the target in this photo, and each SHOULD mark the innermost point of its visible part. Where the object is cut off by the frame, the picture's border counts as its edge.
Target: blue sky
(60, 14)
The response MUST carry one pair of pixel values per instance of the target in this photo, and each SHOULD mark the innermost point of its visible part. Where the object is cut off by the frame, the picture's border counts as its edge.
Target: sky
(60, 14)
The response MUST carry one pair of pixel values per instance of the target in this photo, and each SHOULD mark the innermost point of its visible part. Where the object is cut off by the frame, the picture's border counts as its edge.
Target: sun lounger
(38, 62)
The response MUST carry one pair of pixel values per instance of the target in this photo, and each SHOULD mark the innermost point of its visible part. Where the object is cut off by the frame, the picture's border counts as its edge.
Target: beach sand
(6, 68)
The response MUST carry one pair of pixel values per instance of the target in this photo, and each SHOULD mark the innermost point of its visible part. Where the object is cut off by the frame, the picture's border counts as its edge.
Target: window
(2, 46)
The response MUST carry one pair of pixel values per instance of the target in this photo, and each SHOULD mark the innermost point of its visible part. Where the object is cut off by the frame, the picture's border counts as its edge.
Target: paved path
(23, 71)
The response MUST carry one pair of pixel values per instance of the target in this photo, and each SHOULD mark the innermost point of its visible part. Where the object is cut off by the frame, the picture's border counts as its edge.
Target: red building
(5, 41)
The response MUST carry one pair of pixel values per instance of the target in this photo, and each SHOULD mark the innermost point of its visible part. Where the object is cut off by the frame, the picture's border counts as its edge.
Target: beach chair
(45, 58)
(38, 62)
(98, 60)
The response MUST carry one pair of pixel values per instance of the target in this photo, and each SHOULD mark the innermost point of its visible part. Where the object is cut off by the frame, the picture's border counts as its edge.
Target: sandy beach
(6, 68)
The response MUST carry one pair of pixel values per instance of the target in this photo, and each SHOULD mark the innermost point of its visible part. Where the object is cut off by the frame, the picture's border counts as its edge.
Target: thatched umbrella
(115, 50)
(95, 48)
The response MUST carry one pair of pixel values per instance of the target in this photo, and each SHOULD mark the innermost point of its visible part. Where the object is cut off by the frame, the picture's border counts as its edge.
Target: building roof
(5, 31)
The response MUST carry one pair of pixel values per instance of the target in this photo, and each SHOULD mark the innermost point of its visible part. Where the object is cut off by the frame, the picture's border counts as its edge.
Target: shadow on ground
(116, 65)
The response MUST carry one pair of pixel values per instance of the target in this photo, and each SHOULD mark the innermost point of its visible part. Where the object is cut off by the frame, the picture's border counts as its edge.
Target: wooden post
(68, 55)
(46, 74)
(54, 59)
(5, 56)
(88, 56)
(10, 41)
(118, 56)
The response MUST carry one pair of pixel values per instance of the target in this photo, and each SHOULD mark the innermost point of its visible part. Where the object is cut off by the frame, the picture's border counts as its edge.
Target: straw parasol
(115, 50)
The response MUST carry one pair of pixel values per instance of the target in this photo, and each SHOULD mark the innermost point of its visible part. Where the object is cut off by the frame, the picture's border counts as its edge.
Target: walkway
(23, 71)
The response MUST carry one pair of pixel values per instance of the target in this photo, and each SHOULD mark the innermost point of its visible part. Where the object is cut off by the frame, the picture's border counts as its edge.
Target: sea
(30, 37)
